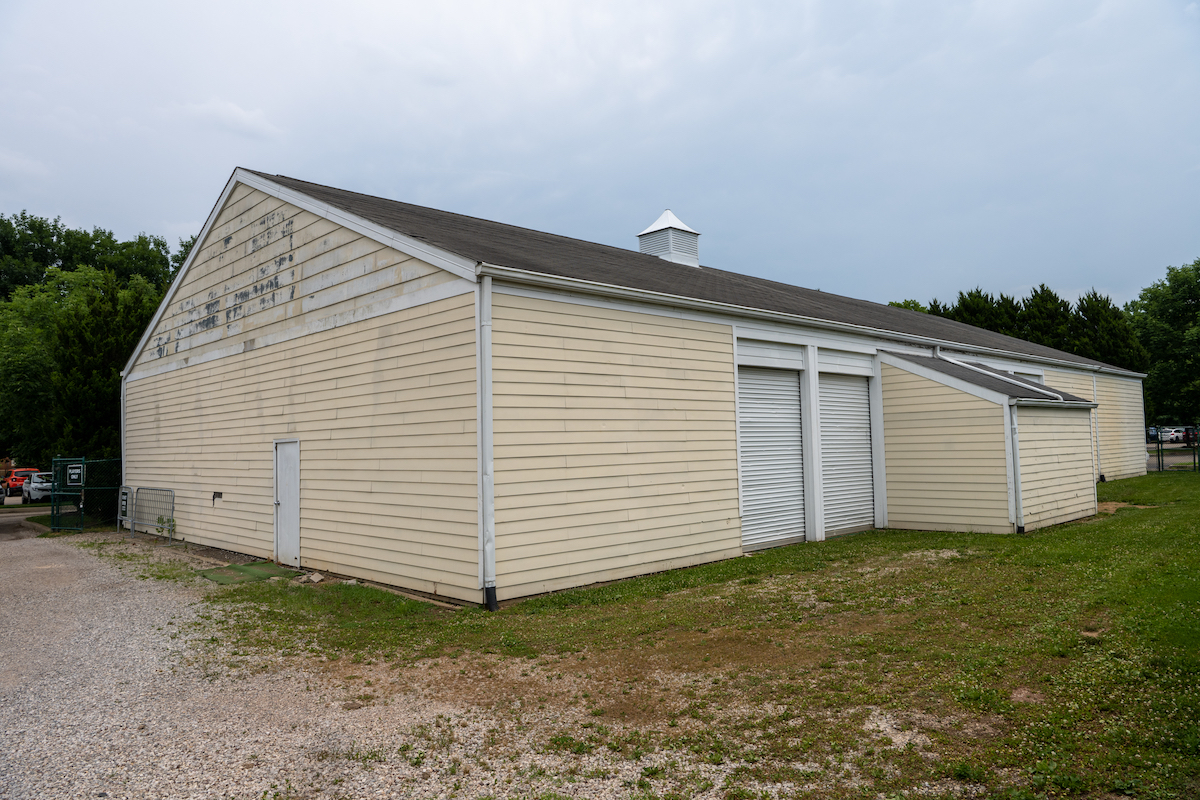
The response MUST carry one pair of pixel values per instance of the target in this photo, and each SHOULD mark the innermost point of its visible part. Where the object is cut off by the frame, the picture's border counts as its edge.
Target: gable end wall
(287, 326)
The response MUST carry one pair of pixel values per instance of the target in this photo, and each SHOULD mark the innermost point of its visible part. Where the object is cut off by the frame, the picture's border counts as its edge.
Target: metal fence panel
(85, 492)
(1162, 456)
(154, 512)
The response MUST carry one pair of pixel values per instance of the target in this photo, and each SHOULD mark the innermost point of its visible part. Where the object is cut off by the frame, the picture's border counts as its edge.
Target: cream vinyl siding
(1056, 465)
(1122, 427)
(945, 457)
(383, 403)
(1080, 385)
(615, 444)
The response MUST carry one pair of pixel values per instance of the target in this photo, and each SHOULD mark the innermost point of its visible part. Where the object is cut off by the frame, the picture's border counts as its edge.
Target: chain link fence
(1163, 455)
(85, 493)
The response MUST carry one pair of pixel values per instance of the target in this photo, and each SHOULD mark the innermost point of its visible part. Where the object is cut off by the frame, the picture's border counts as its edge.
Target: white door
(287, 503)
(772, 456)
(846, 468)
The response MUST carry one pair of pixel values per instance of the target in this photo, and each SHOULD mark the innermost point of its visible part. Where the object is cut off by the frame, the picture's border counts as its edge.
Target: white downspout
(486, 419)
(1016, 446)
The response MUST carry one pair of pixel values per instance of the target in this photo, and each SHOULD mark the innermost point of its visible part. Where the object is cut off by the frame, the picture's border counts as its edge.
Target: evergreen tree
(1008, 315)
(977, 308)
(1102, 331)
(1046, 319)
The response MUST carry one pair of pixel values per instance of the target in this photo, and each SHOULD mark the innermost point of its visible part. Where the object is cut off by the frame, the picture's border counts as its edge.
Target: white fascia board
(443, 259)
(1024, 401)
(945, 380)
(743, 312)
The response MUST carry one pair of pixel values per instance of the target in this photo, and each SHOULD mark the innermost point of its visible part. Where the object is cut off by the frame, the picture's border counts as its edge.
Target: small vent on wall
(669, 238)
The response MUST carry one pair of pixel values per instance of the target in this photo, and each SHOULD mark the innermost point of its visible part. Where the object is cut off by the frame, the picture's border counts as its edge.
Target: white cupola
(669, 238)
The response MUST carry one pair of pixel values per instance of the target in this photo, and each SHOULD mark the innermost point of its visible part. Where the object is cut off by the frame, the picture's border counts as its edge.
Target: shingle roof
(482, 240)
(1003, 385)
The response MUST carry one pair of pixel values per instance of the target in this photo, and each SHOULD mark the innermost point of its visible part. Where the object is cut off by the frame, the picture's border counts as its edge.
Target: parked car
(15, 477)
(1152, 434)
(37, 488)
(1176, 435)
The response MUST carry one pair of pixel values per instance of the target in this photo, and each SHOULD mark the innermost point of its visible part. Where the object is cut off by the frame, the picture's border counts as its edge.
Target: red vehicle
(15, 478)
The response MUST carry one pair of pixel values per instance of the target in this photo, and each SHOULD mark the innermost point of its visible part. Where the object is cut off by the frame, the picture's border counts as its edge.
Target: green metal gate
(85, 493)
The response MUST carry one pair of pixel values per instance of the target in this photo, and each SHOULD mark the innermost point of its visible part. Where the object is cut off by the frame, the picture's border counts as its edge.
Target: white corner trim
(479, 423)
(487, 417)
(1010, 469)
(810, 427)
(1011, 413)
(944, 379)
(878, 455)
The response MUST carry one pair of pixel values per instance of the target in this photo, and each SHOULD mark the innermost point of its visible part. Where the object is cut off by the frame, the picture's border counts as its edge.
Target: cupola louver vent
(669, 238)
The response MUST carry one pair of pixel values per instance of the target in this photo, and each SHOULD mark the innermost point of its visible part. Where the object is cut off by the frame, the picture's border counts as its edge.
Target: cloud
(228, 116)
(17, 165)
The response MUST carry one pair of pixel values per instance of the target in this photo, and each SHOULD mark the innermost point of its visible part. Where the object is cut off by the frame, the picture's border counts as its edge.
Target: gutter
(712, 306)
(1035, 403)
(1000, 377)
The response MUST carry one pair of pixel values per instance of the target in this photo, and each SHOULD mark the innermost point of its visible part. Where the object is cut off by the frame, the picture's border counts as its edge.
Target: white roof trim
(443, 259)
(668, 220)
(728, 309)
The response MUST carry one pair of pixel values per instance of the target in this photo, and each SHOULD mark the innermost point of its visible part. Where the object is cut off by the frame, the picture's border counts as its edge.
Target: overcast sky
(883, 150)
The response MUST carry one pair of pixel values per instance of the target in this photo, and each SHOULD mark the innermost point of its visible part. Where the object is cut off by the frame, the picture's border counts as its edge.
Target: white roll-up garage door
(846, 470)
(772, 456)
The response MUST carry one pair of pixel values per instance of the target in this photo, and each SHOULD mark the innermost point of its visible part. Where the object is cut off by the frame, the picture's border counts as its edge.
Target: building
(450, 405)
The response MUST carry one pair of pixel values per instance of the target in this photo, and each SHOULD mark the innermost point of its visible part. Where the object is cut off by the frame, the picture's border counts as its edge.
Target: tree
(977, 308)
(1102, 331)
(63, 343)
(1046, 319)
(1166, 319)
(911, 305)
(30, 245)
(1093, 328)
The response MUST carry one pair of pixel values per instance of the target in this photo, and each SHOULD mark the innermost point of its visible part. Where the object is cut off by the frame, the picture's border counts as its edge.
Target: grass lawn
(887, 664)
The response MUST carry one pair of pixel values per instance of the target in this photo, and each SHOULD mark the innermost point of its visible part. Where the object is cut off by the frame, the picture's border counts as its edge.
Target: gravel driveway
(109, 687)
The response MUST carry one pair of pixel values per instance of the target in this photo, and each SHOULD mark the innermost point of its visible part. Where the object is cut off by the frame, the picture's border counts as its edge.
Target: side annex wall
(289, 326)
(1057, 478)
(945, 457)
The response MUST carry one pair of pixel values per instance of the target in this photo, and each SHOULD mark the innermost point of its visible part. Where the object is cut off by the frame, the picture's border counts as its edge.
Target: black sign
(74, 474)
(124, 504)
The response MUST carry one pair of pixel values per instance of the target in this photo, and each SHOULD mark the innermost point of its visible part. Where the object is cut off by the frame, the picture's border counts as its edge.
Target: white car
(36, 488)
